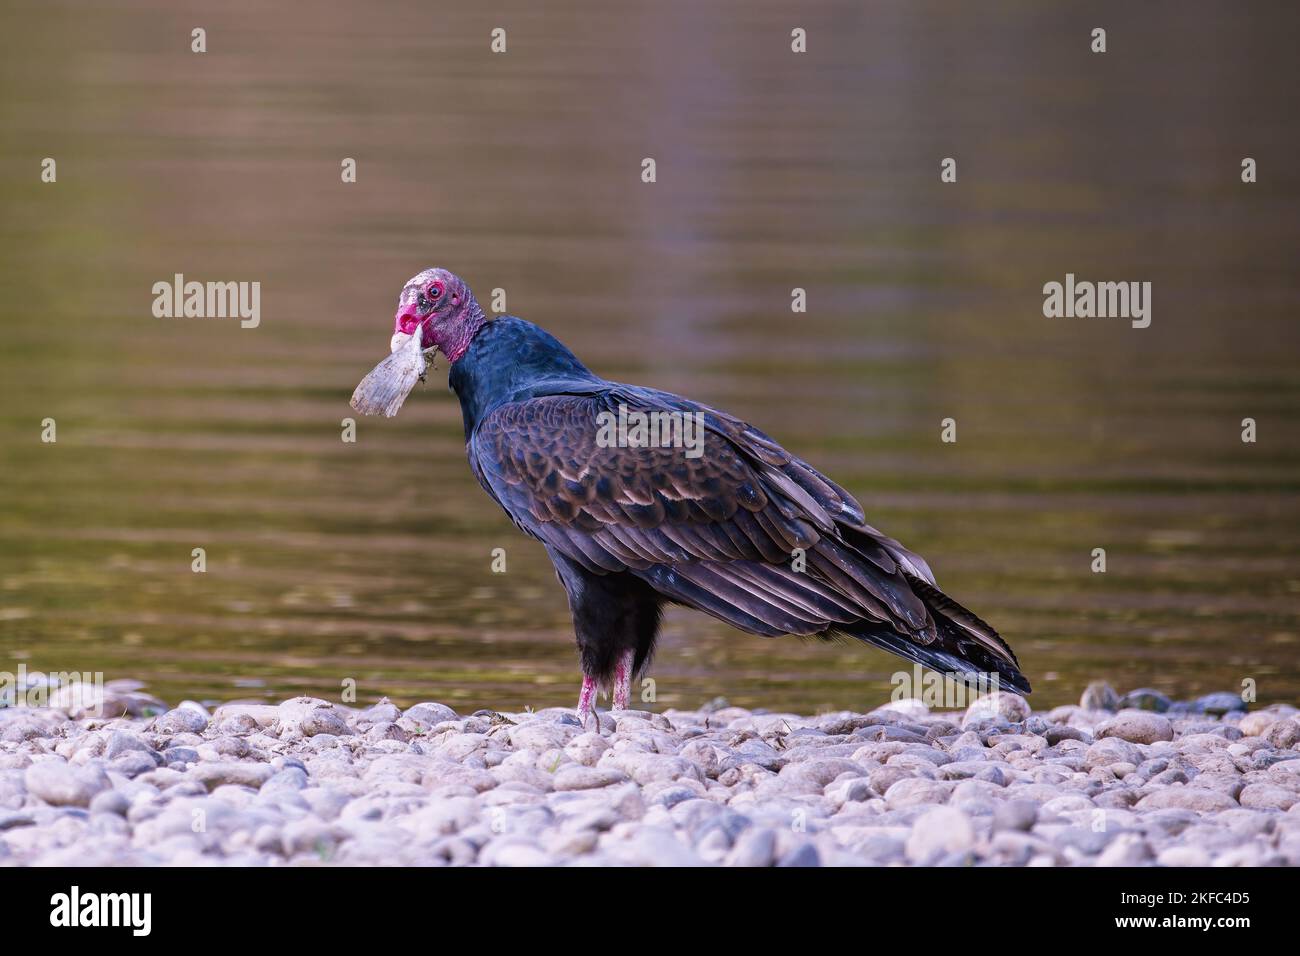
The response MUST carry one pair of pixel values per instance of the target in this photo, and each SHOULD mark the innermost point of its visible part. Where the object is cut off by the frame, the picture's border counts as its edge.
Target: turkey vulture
(732, 525)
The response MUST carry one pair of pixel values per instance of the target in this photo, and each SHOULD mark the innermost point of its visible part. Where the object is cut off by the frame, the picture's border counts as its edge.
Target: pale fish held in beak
(386, 387)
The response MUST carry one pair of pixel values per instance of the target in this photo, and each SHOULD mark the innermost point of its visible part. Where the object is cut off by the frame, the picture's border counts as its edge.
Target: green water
(371, 561)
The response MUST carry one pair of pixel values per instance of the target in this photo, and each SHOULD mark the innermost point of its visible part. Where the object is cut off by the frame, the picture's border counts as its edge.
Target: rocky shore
(1110, 782)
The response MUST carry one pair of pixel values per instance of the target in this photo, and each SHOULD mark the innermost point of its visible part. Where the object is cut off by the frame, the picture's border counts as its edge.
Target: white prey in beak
(386, 387)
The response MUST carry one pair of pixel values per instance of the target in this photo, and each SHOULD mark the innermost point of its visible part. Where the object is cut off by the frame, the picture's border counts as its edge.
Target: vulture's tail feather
(958, 650)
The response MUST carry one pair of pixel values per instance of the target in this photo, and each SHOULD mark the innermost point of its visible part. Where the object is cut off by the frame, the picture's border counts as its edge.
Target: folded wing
(745, 532)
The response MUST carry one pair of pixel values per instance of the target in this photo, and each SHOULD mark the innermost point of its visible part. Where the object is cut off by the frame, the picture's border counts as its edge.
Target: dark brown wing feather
(718, 532)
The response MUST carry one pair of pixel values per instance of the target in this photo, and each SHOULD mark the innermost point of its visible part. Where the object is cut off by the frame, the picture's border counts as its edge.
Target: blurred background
(372, 561)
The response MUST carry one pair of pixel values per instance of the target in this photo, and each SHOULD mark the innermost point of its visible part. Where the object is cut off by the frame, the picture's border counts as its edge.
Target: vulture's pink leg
(587, 700)
(623, 678)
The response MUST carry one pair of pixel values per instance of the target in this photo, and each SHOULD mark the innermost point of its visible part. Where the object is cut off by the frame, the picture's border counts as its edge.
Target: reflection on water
(372, 561)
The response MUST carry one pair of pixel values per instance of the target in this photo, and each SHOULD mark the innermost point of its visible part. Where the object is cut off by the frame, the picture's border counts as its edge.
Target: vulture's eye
(434, 292)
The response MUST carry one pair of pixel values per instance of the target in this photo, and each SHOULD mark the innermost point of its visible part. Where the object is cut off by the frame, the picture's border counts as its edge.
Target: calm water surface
(372, 561)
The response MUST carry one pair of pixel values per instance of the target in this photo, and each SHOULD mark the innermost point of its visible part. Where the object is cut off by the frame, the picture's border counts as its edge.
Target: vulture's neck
(510, 360)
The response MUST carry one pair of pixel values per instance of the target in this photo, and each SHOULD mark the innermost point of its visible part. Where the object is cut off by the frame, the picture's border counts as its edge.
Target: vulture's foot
(587, 702)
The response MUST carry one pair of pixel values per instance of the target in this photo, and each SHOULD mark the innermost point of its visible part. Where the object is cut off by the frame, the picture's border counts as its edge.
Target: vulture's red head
(440, 304)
